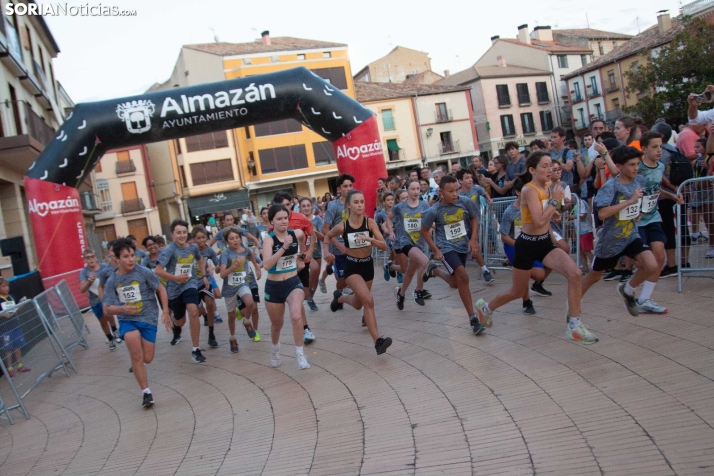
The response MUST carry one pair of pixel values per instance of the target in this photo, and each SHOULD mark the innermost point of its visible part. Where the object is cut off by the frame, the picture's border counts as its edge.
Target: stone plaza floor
(519, 399)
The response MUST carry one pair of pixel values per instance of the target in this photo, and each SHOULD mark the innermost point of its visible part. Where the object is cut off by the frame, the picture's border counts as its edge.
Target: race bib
(412, 224)
(263, 235)
(94, 287)
(287, 263)
(129, 294)
(184, 269)
(236, 279)
(357, 239)
(516, 231)
(6, 305)
(630, 212)
(455, 231)
(649, 202)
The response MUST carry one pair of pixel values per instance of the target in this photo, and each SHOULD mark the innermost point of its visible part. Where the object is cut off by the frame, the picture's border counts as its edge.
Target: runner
(140, 254)
(102, 275)
(456, 231)
(280, 257)
(538, 205)
(229, 221)
(316, 263)
(472, 192)
(151, 243)
(13, 339)
(210, 293)
(89, 283)
(334, 215)
(381, 218)
(263, 227)
(359, 234)
(235, 283)
(131, 295)
(404, 229)
(177, 265)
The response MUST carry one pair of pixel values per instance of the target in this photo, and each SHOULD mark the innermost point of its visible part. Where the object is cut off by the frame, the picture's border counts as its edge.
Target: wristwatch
(302, 257)
(553, 202)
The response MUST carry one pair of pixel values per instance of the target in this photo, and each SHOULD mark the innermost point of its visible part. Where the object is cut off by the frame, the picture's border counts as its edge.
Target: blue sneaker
(400, 278)
(217, 319)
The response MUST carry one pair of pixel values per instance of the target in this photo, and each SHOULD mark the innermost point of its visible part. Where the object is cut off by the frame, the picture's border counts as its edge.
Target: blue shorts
(98, 310)
(147, 331)
(511, 252)
(340, 262)
(12, 340)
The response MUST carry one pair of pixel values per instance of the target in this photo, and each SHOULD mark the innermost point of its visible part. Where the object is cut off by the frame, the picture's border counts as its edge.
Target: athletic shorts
(586, 241)
(178, 304)
(453, 260)
(98, 310)
(404, 250)
(235, 301)
(13, 339)
(304, 275)
(362, 266)
(631, 251)
(651, 233)
(339, 266)
(278, 291)
(510, 253)
(531, 248)
(147, 331)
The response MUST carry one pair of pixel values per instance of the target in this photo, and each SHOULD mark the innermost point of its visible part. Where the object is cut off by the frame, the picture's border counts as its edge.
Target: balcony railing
(611, 87)
(594, 93)
(125, 167)
(132, 206)
(19, 115)
(697, 6)
(449, 147)
(576, 97)
(396, 155)
(89, 202)
(612, 116)
(565, 117)
(443, 116)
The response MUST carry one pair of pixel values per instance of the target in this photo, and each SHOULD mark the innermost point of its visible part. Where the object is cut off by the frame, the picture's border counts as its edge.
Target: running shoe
(112, 345)
(400, 278)
(425, 294)
(10, 373)
(148, 400)
(257, 337)
(710, 253)
(428, 271)
(382, 344)
(400, 298)
(117, 338)
(212, 340)
(386, 270)
(311, 304)
(419, 297)
(476, 325)
(302, 362)
(581, 334)
(197, 357)
(249, 329)
(483, 318)
(528, 307)
(329, 270)
(487, 277)
(335, 305)
(613, 275)
(347, 291)
(630, 301)
(177, 335)
(23, 368)
(323, 286)
(625, 276)
(308, 336)
(217, 319)
(388, 265)
(668, 272)
(234, 346)
(650, 307)
(364, 324)
(538, 288)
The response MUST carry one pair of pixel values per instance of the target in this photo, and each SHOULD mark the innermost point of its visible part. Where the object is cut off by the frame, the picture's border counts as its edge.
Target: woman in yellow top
(538, 205)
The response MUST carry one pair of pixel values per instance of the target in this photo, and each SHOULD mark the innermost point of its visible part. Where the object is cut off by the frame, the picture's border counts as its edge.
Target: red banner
(359, 153)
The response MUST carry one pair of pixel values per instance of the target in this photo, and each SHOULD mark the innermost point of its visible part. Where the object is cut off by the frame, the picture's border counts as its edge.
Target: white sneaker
(710, 252)
(308, 336)
(651, 307)
(347, 291)
(302, 362)
(275, 359)
(580, 334)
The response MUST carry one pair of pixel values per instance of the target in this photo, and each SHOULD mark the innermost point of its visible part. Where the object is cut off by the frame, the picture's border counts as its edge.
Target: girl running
(316, 263)
(360, 234)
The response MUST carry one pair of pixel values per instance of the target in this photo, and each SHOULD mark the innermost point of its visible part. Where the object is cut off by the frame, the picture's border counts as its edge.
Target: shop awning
(392, 145)
(218, 202)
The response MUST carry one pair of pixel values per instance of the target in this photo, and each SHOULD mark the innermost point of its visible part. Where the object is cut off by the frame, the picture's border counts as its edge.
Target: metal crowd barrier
(37, 337)
(699, 198)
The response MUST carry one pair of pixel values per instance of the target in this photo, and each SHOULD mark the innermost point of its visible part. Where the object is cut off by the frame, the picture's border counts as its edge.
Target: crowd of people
(621, 184)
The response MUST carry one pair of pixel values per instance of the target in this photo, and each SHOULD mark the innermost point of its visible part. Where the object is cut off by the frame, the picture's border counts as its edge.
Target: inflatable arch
(94, 128)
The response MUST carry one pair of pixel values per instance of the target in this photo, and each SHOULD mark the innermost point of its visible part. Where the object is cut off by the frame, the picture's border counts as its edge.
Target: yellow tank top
(526, 216)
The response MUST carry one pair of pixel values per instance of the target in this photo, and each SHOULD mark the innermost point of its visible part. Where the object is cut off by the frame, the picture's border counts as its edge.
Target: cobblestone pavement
(519, 399)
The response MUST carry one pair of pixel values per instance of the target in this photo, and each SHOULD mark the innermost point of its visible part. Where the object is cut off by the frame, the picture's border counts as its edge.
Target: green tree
(684, 65)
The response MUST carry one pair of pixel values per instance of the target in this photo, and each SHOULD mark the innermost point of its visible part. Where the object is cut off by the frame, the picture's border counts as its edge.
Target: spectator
(597, 127)
(536, 145)
(563, 155)
(477, 164)
(515, 167)
(496, 179)
(455, 168)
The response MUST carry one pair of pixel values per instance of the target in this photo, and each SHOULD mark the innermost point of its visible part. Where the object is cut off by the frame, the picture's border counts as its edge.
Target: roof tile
(279, 43)
(366, 92)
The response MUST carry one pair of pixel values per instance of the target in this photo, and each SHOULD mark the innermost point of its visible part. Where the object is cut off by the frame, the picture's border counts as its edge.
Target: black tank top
(351, 236)
(287, 261)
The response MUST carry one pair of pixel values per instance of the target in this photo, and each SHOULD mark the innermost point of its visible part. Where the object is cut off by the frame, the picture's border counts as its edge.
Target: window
(542, 92)
(178, 146)
(334, 76)
(387, 120)
(546, 120)
(105, 198)
(527, 123)
(578, 94)
(247, 61)
(286, 126)
(283, 159)
(636, 66)
(611, 77)
(442, 113)
(393, 150)
(247, 132)
(211, 172)
(128, 191)
(584, 59)
(581, 113)
(524, 96)
(598, 111)
(106, 233)
(327, 54)
(504, 99)
(601, 48)
(139, 228)
(562, 61)
(616, 104)
(123, 156)
(593, 86)
(447, 144)
(324, 153)
(183, 177)
(508, 126)
(301, 57)
(211, 140)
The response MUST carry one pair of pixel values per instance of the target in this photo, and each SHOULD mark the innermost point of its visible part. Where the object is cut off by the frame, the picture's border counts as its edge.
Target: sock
(298, 350)
(484, 268)
(526, 301)
(196, 348)
(306, 328)
(629, 290)
(233, 336)
(19, 365)
(275, 347)
(114, 329)
(146, 390)
(110, 336)
(312, 293)
(210, 329)
(486, 310)
(647, 289)
(574, 322)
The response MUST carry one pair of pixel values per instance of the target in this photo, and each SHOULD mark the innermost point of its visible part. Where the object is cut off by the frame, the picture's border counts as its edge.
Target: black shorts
(404, 250)
(256, 298)
(631, 251)
(278, 291)
(178, 304)
(651, 233)
(304, 275)
(362, 266)
(531, 248)
(453, 260)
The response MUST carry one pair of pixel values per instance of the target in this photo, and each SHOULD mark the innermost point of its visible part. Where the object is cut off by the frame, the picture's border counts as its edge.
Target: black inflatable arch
(94, 128)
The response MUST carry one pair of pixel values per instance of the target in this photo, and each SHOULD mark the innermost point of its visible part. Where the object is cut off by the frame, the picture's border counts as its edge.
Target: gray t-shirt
(653, 185)
(473, 196)
(139, 255)
(334, 215)
(105, 272)
(617, 232)
(514, 169)
(136, 288)
(565, 155)
(219, 236)
(239, 277)
(510, 221)
(207, 253)
(407, 224)
(178, 261)
(317, 224)
(104, 269)
(452, 221)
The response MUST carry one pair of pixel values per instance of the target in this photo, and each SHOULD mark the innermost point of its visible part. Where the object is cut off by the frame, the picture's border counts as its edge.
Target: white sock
(647, 289)
(299, 350)
(484, 268)
(629, 290)
(574, 322)
(146, 390)
(233, 336)
(275, 347)
(196, 348)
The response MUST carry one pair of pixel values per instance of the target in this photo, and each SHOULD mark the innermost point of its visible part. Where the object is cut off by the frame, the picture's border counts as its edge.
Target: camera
(707, 96)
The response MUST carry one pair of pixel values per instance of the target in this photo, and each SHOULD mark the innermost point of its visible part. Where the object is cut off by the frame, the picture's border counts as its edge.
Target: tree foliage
(671, 72)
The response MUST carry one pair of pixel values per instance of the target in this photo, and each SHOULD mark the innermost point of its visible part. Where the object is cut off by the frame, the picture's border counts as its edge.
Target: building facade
(598, 41)
(398, 66)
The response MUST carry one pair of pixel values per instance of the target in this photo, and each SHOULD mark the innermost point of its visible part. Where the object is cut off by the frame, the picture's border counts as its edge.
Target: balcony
(25, 135)
(612, 116)
(11, 55)
(576, 97)
(564, 91)
(443, 116)
(89, 203)
(565, 118)
(449, 147)
(125, 167)
(396, 155)
(594, 93)
(611, 87)
(132, 206)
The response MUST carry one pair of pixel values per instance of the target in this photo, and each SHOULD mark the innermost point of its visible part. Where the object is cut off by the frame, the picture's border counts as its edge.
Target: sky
(110, 57)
